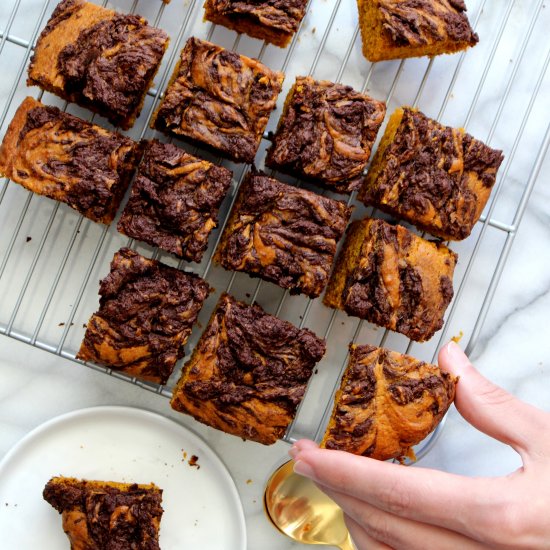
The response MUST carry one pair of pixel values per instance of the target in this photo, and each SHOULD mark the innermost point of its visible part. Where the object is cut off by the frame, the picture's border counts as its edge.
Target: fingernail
(303, 468)
(456, 354)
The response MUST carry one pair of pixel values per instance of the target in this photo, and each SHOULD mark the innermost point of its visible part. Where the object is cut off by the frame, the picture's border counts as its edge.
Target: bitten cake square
(68, 159)
(283, 234)
(175, 201)
(275, 21)
(387, 403)
(146, 313)
(248, 372)
(107, 514)
(98, 58)
(436, 177)
(326, 133)
(393, 278)
(219, 98)
(395, 29)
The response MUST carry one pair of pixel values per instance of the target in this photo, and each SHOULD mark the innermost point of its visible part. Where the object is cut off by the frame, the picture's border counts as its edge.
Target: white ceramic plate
(202, 508)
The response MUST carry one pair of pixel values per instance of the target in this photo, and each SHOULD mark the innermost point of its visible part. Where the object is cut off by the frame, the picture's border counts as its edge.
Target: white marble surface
(514, 347)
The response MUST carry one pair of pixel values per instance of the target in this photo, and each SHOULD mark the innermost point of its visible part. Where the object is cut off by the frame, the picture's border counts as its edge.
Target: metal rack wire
(51, 257)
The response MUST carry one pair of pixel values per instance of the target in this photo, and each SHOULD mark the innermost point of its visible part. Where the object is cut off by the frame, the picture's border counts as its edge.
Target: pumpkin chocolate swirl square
(387, 403)
(63, 157)
(248, 372)
(107, 514)
(275, 21)
(391, 277)
(436, 177)
(283, 234)
(175, 200)
(99, 58)
(146, 313)
(326, 134)
(396, 29)
(220, 99)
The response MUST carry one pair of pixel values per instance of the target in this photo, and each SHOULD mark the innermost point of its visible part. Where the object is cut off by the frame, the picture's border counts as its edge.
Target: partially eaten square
(107, 514)
(248, 372)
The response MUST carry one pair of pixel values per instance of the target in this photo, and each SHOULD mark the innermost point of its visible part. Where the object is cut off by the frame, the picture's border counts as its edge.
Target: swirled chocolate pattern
(436, 177)
(393, 29)
(326, 133)
(248, 373)
(393, 278)
(387, 403)
(283, 234)
(68, 159)
(219, 98)
(107, 515)
(273, 20)
(175, 200)
(98, 58)
(146, 314)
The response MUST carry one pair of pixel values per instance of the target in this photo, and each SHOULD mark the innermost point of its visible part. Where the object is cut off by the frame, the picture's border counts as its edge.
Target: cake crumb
(248, 481)
(456, 339)
(194, 461)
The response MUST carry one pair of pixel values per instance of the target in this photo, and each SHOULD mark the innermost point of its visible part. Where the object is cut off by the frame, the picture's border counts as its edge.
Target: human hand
(387, 505)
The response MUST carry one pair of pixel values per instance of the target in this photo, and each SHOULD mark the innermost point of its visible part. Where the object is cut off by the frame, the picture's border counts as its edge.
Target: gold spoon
(301, 511)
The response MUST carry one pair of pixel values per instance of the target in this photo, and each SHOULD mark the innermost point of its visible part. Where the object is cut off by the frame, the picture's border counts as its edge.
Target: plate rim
(159, 417)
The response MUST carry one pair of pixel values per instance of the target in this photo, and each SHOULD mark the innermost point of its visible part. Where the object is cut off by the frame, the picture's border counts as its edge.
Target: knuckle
(378, 527)
(493, 395)
(395, 498)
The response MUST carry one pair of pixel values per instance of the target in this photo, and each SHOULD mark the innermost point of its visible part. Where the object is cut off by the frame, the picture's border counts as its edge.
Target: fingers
(395, 532)
(429, 496)
(494, 411)
(360, 538)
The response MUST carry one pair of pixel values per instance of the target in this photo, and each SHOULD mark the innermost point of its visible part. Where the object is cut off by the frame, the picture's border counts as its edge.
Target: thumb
(493, 410)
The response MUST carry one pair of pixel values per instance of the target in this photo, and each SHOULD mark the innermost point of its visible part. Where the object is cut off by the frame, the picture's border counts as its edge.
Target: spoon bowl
(300, 510)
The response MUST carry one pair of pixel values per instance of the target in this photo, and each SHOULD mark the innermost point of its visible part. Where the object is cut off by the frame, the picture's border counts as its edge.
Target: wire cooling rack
(51, 258)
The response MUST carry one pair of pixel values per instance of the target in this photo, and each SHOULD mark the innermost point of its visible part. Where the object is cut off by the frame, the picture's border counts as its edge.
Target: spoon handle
(347, 544)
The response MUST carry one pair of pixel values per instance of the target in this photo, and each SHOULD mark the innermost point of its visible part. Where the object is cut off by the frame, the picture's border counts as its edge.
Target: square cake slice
(436, 177)
(175, 201)
(68, 159)
(146, 313)
(220, 99)
(283, 234)
(393, 278)
(107, 514)
(387, 403)
(326, 133)
(98, 58)
(396, 29)
(275, 21)
(248, 372)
